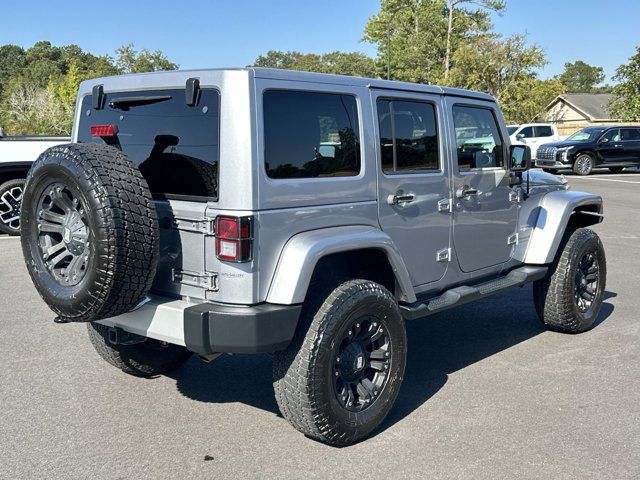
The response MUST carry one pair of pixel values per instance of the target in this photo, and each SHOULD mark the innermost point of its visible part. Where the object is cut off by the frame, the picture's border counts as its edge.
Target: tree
(129, 60)
(340, 63)
(626, 94)
(506, 69)
(452, 5)
(417, 34)
(580, 77)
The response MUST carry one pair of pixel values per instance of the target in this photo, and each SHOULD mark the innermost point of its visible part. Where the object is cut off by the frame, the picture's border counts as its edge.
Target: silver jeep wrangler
(299, 214)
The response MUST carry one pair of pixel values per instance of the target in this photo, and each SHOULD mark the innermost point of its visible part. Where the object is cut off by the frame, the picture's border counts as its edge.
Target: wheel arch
(557, 211)
(362, 251)
(14, 171)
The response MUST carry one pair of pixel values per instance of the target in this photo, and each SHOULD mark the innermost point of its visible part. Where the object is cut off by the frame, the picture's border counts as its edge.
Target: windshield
(585, 135)
(511, 130)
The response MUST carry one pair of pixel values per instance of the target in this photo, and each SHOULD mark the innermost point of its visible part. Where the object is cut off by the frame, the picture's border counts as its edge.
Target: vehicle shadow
(438, 346)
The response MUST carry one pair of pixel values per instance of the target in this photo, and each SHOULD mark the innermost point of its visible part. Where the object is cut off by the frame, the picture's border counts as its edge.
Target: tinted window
(544, 131)
(309, 134)
(527, 132)
(630, 134)
(175, 146)
(479, 144)
(408, 136)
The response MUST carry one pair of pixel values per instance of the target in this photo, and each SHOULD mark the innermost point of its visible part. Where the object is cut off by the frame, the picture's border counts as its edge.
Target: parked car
(533, 135)
(299, 214)
(613, 147)
(16, 156)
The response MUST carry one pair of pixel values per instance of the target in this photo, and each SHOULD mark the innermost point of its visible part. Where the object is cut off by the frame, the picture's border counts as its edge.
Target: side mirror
(604, 140)
(519, 158)
(520, 136)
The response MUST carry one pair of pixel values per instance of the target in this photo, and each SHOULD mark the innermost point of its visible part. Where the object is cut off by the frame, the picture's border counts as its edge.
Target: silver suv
(300, 214)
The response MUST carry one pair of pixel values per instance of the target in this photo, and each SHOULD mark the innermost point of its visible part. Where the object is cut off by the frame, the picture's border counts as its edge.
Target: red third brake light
(234, 238)
(104, 130)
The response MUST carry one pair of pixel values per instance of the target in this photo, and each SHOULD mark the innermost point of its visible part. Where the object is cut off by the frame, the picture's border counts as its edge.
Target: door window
(478, 140)
(544, 131)
(527, 132)
(310, 134)
(612, 135)
(630, 134)
(408, 136)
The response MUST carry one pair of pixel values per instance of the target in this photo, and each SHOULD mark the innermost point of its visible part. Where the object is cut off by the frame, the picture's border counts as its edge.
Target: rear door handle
(466, 191)
(400, 199)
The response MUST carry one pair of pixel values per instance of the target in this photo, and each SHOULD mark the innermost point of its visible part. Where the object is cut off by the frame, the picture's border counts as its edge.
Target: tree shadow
(438, 345)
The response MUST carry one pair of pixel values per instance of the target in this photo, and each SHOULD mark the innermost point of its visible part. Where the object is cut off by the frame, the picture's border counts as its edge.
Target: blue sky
(220, 33)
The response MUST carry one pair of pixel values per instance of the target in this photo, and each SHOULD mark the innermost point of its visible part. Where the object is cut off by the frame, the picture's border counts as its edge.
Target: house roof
(594, 106)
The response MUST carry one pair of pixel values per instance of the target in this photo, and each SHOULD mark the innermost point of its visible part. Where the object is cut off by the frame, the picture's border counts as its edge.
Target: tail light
(104, 130)
(234, 238)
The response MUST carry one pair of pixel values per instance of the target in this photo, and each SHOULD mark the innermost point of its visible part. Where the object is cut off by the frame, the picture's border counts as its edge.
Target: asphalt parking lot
(488, 393)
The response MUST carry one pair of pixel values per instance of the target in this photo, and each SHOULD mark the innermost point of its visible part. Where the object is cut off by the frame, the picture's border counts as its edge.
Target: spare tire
(89, 231)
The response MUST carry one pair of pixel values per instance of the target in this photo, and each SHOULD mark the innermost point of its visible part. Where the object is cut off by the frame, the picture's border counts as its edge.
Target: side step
(465, 294)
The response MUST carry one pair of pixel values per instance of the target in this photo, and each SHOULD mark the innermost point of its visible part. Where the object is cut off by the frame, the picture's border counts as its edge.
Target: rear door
(631, 140)
(413, 180)
(485, 218)
(176, 148)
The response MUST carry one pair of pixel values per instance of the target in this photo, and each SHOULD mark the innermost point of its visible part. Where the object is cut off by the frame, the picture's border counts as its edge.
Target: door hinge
(516, 195)
(206, 280)
(443, 255)
(198, 225)
(445, 205)
(512, 239)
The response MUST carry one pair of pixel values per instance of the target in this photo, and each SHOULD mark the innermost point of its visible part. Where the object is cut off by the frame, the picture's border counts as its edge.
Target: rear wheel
(148, 358)
(341, 375)
(616, 169)
(569, 298)
(10, 201)
(583, 164)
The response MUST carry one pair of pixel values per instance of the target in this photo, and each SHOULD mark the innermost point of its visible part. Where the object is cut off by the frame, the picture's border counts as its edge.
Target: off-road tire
(122, 226)
(145, 359)
(550, 170)
(10, 205)
(554, 295)
(583, 164)
(616, 169)
(303, 372)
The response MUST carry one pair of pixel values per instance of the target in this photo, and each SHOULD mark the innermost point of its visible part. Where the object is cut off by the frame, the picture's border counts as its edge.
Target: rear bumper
(208, 328)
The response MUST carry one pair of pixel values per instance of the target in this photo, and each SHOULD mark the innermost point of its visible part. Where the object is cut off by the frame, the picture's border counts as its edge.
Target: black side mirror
(519, 158)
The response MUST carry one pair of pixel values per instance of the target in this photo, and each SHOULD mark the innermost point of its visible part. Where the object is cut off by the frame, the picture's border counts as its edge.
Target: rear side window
(630, 134)
(175, 146)
(478, 140)
(544, 131)
(310, 134)
(408, 136)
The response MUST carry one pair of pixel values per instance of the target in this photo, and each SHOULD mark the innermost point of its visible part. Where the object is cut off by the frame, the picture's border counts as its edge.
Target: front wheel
(10, 200)
(583, 165)
(341, 375)
(569, 298)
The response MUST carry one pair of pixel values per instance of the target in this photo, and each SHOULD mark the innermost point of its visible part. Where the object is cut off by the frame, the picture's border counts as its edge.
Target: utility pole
(388, 53)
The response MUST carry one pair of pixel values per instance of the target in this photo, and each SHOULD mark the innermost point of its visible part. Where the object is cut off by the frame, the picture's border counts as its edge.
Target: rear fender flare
(302, 252)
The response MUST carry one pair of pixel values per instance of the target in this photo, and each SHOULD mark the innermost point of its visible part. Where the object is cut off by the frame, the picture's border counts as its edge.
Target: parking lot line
(603, 179)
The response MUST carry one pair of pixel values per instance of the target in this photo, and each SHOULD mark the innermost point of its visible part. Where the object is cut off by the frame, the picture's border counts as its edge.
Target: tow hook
(118, 336)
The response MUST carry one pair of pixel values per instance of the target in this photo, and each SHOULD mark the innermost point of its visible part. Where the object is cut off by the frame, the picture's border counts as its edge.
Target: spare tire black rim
(63, 234)
(361, 367)
(586, 282)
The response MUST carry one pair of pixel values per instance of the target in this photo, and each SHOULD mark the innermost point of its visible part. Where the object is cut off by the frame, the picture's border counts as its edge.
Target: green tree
(129, 60)
(626, 94)
(580, 77)
(417, 32)
(12, 60)
(340, 63)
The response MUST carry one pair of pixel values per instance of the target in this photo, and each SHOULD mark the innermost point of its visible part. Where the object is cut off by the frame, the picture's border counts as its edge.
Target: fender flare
(554, 212)
(302, 252)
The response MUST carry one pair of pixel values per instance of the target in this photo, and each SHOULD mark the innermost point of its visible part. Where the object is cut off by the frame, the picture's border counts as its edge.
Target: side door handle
(466, 191)
(400, 199)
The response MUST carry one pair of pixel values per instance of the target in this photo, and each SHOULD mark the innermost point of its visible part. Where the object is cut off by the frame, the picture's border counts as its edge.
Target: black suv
(613, 147)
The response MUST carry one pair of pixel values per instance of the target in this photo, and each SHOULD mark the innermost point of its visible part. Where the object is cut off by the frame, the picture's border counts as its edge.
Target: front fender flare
(553, 216)
(303, 251)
